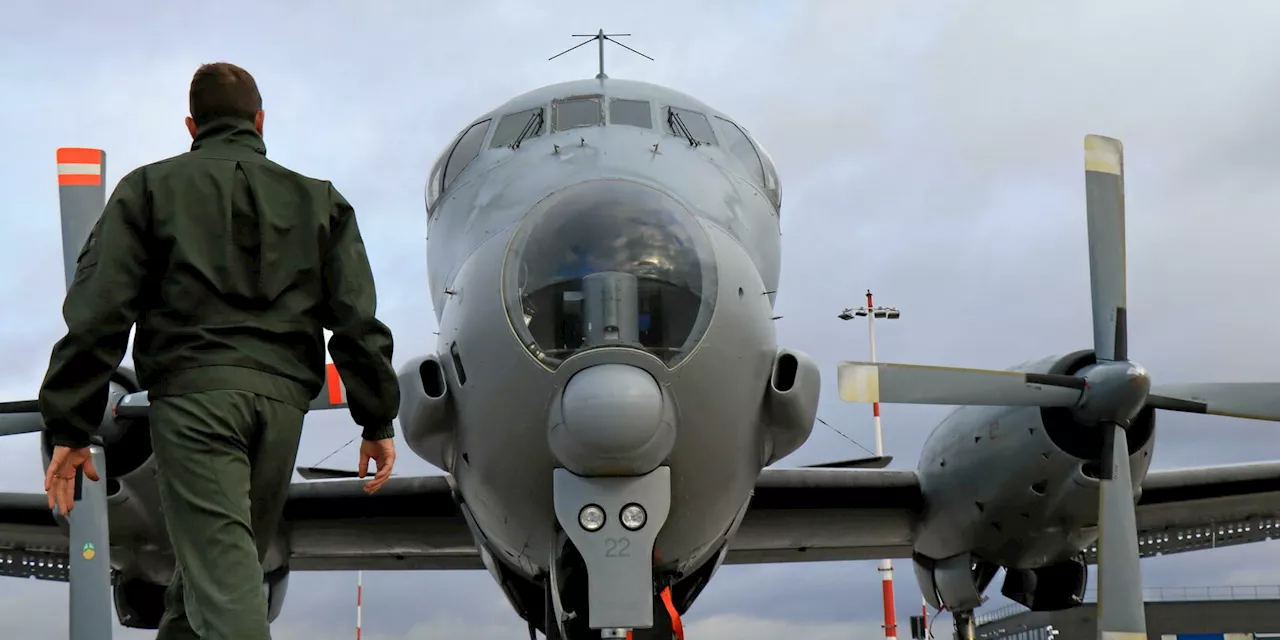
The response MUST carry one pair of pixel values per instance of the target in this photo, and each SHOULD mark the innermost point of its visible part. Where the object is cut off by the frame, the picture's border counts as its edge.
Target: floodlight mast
(886, 566)
(872, 312)
(600, 37)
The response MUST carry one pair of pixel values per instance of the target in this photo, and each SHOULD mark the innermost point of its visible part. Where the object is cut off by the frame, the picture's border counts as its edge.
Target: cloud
(931, 155)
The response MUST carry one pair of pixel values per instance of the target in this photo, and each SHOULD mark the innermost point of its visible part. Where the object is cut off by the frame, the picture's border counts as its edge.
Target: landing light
(633, 517)
(591, 517)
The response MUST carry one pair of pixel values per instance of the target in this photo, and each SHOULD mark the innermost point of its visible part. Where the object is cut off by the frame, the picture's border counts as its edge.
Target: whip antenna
(600, 38)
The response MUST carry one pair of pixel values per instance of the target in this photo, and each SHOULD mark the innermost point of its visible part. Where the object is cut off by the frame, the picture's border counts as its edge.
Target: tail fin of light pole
(871, 312)
(600, 38)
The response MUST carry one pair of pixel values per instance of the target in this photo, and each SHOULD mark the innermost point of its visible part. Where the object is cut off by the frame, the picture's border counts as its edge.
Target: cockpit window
(635, 113)
(609, 263)
(739, 145)
(572, 113)
(517, 127)
(690, 125)
(464, 152)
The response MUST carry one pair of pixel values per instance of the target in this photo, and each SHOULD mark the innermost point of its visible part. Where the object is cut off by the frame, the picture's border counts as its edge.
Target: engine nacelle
(426, 411)
(140, 603)
(276, 585)
(1015, 487)
(1052, 588)
(790, 404)
(955, 583)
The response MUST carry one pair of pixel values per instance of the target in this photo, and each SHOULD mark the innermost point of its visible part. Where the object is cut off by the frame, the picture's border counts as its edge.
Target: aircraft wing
(32, 545)
(796, 515)
(1203, 508)
(817, 515)
(411, 523)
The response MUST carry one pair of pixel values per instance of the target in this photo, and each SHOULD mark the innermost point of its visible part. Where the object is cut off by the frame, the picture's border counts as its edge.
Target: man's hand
(383, 453)
(60, 479)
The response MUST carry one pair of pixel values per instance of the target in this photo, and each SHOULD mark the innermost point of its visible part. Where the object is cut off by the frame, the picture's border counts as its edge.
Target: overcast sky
(932, 155)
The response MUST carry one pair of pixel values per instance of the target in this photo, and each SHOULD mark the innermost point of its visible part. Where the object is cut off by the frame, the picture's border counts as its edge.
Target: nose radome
(612, 419)
(612, 408)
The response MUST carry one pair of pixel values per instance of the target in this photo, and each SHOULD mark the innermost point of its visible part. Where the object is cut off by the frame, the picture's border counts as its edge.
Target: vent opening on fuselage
(432, 376)
(784, 372)
(457, 364)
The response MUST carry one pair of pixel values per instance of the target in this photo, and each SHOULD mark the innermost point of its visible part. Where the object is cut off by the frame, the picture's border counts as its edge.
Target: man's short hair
(221, 90)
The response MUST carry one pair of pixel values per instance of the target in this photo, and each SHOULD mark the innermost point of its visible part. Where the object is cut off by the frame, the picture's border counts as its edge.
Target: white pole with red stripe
(924, 616)
(359, 597)
(886, 566)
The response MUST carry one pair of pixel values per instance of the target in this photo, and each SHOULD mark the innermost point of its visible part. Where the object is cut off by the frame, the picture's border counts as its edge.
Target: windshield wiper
(677, 126)
(533, 125)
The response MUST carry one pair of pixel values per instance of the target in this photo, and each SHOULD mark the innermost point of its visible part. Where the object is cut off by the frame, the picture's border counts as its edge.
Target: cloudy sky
(932, 154)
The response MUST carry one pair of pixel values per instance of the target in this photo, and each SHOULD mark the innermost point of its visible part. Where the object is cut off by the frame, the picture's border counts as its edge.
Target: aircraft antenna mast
(600, 37)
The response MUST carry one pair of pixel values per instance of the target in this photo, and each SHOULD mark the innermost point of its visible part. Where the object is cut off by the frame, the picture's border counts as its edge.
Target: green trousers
(225, 460)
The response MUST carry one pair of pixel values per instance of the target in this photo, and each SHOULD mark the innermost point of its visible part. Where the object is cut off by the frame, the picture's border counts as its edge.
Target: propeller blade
(917, 384)
(1104, 188)
(876, 462)
(1121, 614)
(18, 417)
(92, 614)
(1253, 400)
(82, 194)
(322, 473)
(81, 197)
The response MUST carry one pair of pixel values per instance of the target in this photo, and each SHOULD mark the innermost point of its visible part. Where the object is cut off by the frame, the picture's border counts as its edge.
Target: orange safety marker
(79, 167)
(676, 625)
(337, 392)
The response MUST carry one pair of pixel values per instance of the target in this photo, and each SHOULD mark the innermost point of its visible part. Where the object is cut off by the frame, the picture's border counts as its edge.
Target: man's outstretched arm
(361, 345)
(100, 308)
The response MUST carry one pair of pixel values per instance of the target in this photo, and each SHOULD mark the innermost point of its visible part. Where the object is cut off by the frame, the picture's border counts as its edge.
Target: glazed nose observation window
(609, 263)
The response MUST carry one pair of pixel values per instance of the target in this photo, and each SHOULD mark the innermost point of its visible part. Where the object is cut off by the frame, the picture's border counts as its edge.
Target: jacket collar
(235, 132)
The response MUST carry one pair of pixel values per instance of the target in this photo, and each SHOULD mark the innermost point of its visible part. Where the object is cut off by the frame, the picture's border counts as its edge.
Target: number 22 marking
(617, 547)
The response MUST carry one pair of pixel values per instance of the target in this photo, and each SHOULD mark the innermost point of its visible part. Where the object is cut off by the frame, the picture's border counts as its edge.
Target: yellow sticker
(89, 551)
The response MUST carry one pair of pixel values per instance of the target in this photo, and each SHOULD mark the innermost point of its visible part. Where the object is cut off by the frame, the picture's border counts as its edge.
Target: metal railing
(1157, 594)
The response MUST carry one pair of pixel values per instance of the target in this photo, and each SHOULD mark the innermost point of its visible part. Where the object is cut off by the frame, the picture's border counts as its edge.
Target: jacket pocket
(88, 257)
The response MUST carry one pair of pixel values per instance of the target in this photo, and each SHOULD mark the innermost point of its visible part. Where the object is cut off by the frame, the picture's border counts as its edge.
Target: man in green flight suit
(231, 266)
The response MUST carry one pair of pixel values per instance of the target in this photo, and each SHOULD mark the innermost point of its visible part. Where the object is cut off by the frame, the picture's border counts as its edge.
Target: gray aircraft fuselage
(608, 238)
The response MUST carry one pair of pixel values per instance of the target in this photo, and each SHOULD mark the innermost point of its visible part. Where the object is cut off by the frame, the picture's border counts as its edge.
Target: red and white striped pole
(886, 566)
(359, 597)
(924, 615)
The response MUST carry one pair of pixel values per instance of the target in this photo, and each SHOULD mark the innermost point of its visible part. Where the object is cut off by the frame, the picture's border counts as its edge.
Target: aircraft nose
(612, 419)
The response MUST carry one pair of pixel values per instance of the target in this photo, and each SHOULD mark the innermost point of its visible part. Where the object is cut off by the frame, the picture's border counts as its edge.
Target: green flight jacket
(231, 266)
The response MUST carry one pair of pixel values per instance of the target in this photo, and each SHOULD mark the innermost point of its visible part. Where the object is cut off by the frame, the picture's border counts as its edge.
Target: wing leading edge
(411, 523)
